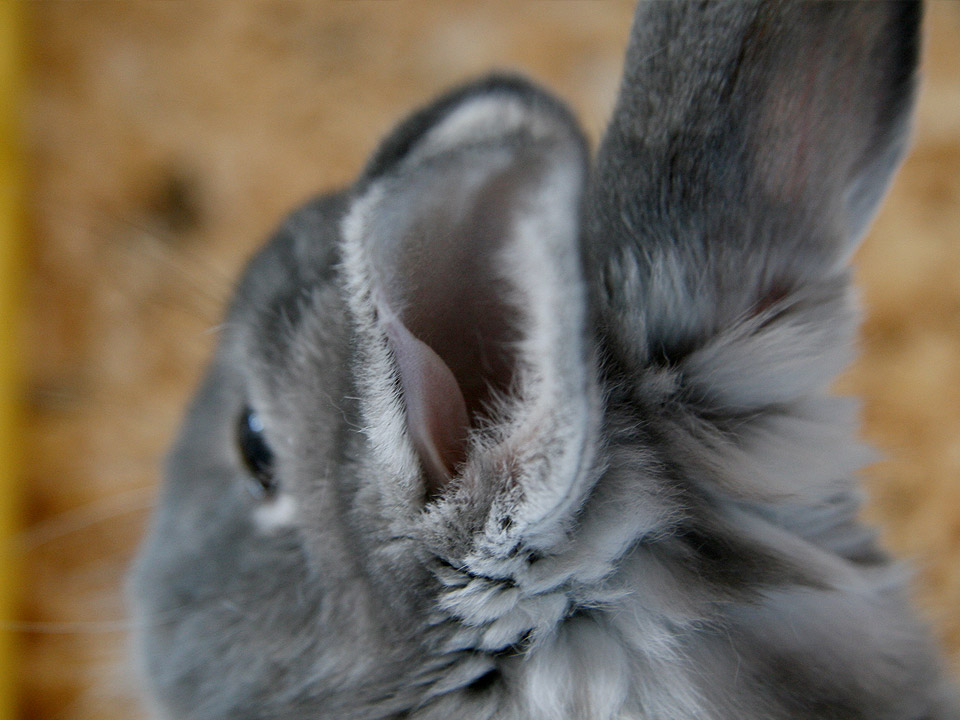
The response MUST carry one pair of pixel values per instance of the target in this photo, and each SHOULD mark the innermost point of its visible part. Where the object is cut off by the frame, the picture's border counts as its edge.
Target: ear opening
(452, 319)
(462, 263)
(444, 280)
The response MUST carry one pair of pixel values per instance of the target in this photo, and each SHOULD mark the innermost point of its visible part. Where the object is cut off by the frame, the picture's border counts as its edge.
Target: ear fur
(461, 260)
(749, 149)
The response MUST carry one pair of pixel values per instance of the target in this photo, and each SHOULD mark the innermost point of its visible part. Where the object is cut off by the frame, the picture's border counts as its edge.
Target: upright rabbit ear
(461, 260)
(750, 146)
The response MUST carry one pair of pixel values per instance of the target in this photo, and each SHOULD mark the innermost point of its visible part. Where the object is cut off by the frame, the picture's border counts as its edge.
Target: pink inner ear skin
(436, 411)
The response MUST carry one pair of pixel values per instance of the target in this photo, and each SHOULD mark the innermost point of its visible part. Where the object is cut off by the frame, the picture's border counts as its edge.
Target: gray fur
(655, 514)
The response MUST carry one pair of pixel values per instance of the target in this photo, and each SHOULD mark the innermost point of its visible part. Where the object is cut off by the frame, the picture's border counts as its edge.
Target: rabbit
(508, 431)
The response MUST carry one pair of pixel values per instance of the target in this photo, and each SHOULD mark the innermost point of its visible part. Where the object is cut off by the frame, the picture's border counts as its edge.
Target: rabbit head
(498, 433)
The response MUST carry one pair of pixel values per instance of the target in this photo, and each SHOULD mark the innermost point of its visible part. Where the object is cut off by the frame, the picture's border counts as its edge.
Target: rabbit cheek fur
(552, 439)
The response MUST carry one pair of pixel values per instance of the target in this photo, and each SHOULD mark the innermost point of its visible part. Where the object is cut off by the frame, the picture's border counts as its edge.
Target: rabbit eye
(256, 454)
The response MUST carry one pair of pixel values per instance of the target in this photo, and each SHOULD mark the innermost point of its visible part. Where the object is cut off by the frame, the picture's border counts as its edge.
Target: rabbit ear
(750, 146)
(461, 260)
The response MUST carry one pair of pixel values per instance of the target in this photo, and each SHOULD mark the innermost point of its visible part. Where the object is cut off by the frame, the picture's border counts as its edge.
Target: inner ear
(448, 302)
(454, 296)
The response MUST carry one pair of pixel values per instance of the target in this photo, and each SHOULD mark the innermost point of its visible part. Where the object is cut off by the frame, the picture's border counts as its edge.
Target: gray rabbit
(505, 432)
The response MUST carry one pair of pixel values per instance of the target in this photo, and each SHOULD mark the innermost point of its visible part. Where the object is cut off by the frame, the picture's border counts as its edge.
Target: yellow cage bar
(11, 275)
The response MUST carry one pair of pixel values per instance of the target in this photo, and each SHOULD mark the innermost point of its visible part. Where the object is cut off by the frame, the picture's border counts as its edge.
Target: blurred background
(164, 141)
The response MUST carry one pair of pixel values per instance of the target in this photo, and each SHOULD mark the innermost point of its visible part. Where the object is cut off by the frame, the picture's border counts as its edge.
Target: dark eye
(256, 454)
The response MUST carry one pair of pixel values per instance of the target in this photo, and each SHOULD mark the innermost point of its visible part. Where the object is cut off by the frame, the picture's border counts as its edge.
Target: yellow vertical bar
(11, 300)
